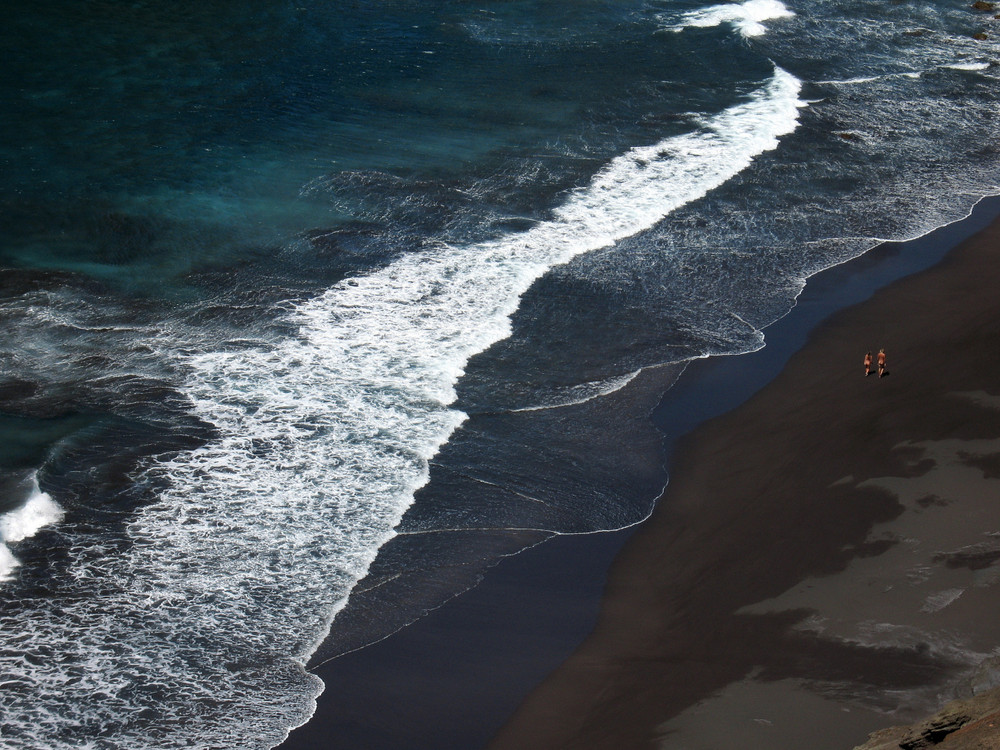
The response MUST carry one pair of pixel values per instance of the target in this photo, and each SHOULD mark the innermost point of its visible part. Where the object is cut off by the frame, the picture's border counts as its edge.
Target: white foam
(581, 393)
(914, 74)
(967, 66)
(38, 511)
(321, 441)
(940, 600)
(747, 17)
(8, 563)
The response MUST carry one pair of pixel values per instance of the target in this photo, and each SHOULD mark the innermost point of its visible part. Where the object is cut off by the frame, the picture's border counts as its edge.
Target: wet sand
(825, 559)
(452, 680)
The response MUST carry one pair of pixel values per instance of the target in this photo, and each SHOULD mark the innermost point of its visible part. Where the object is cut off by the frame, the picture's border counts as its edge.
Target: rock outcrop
(968, 724)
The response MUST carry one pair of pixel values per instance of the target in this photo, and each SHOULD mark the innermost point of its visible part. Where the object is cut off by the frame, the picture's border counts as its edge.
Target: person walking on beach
(881, 362)
(868, 364)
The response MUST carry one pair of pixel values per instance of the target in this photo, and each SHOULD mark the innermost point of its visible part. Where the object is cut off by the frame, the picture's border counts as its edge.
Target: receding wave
(234, 574)
(581, 393)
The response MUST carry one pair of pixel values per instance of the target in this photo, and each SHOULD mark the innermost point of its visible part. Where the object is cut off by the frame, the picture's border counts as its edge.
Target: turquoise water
(147, 145)
(289, 289)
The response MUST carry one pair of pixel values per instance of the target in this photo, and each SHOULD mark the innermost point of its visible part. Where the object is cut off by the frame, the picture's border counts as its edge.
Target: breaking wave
(232, 577)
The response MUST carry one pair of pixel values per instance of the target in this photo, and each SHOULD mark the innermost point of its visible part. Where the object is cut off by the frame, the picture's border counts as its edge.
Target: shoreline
(822, 563)
(533, 609)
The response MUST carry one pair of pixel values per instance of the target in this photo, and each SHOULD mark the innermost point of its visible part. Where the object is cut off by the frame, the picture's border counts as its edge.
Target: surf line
(376, 360)
(411, 328)
(324, 438)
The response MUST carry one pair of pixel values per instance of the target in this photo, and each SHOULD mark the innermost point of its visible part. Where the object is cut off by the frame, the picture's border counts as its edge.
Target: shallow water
(290, 284)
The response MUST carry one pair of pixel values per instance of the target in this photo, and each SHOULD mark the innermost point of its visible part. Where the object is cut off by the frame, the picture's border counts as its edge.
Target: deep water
(302, 295)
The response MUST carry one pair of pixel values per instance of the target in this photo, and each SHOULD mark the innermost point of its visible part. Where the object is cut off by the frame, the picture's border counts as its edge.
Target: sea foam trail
(38, 511)
(233, 576)
(747, 17)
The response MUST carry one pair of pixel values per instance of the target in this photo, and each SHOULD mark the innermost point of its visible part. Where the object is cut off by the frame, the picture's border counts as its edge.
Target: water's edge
(515, 626)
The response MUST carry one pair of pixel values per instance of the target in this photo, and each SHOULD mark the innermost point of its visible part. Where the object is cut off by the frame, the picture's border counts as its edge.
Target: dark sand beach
(823, 562)
(819, 567)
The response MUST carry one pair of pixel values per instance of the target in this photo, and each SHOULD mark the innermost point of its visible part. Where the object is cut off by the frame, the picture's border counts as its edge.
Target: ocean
(313, 312)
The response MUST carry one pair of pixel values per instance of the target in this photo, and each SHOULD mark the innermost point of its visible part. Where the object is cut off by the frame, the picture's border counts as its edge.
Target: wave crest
(746, 17)
(38, 511)
(320, 442)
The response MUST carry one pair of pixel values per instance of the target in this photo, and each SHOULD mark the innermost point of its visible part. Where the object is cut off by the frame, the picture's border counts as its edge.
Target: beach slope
(825, 560)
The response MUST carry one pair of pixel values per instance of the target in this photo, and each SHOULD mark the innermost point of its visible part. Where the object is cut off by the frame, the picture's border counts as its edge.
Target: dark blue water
(297, 296)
